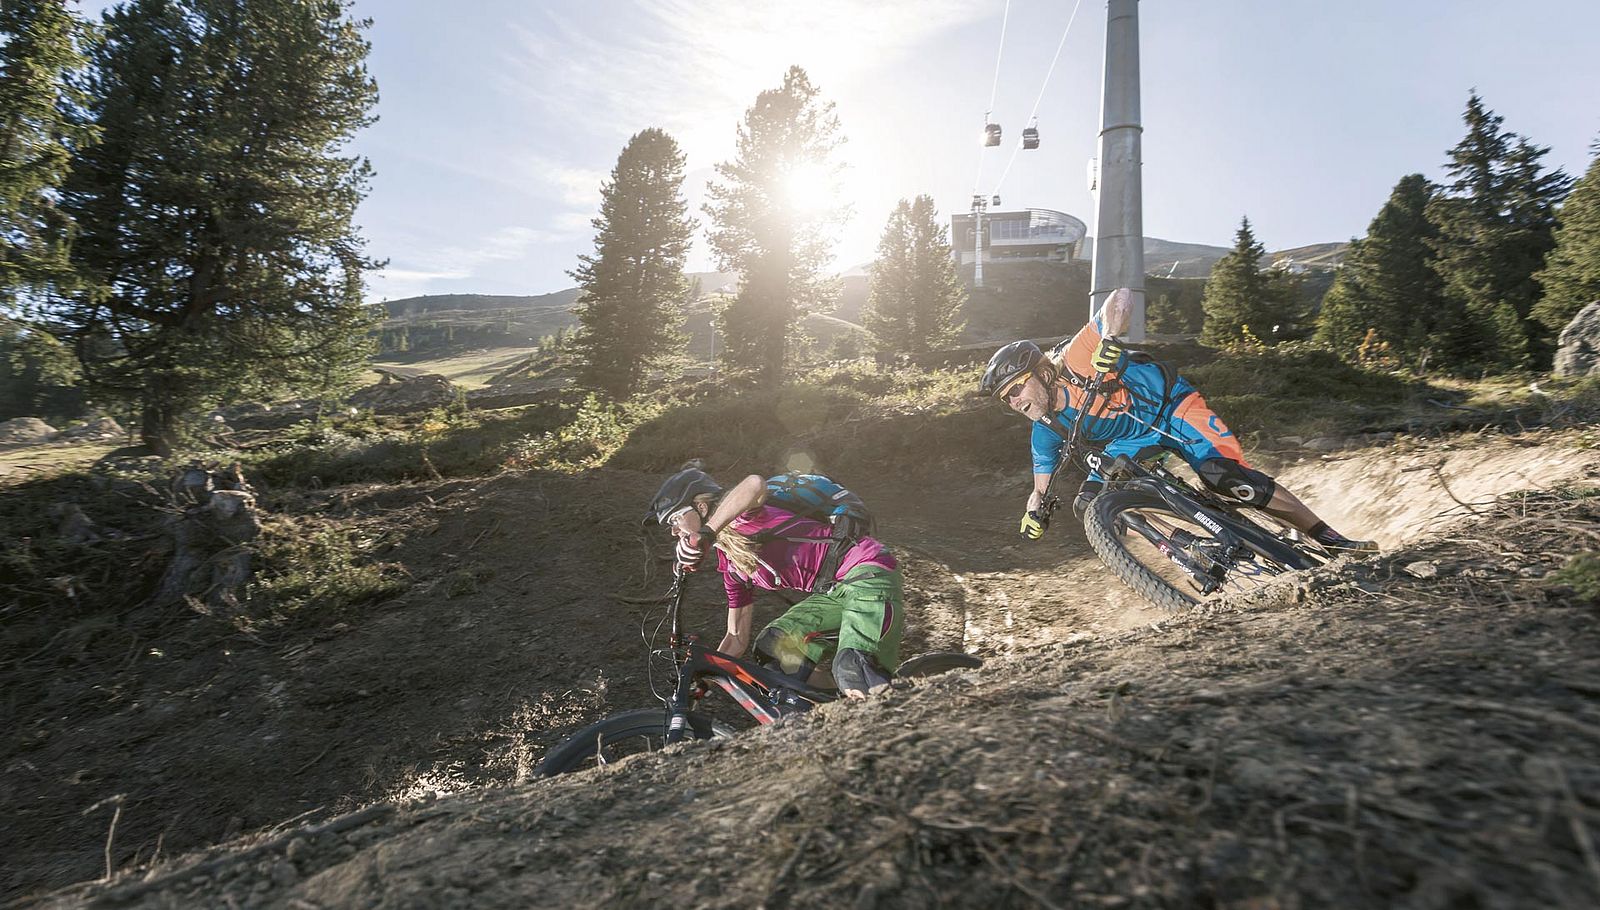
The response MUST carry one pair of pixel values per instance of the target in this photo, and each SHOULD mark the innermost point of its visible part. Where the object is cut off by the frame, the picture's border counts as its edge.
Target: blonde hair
(741, 549)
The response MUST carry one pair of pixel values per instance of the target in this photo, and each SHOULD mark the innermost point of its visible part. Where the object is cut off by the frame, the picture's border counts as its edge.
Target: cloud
(421, 270)
(575, 185)
(693, 66)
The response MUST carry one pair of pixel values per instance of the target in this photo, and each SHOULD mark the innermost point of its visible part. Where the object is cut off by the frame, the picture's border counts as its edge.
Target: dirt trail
(515, 635)
(1402, 493)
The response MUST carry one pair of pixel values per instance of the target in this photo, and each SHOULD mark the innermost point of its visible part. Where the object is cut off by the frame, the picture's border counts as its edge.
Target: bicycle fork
(1205, 578)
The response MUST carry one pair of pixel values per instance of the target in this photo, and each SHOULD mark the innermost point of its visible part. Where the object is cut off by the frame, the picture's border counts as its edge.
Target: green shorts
(867, 607)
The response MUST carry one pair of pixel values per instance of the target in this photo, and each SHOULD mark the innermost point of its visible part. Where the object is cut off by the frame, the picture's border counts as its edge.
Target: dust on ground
(1366, 738)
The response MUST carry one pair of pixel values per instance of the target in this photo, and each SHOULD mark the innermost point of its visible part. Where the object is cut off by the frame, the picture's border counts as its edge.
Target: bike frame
(699, 668)
(1124, 473)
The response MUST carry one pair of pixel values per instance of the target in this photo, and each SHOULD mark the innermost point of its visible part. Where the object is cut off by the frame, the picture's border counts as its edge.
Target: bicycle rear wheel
(1168, 558)
(621, 735)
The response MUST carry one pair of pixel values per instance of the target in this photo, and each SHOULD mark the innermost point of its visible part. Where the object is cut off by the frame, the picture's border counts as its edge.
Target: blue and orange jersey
(1140, 398)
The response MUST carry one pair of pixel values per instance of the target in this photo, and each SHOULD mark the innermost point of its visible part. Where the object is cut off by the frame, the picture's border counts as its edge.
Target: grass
(467, 369)
(46, 461)
(1303, 390)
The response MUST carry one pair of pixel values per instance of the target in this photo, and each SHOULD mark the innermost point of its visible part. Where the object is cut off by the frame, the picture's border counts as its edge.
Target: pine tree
(633, 288)
(888, 313)
(1239, 297)
(914, 294)
(41, 46)
(764, 229)
(1571, 275)
(215, 213)
(1388, 286)
(1164, 316)
(1496, 219)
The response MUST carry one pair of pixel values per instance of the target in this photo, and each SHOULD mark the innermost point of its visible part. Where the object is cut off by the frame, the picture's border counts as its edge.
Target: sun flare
(809, 188)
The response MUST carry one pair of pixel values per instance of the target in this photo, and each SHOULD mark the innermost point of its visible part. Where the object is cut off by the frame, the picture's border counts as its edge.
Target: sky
(499, 119)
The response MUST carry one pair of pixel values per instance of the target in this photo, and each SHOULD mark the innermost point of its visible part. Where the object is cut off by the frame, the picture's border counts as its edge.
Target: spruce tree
(1238, 297)
(41, 47)
(215, 214)
(778, 243)
(914, 294)
(1495, 221)
(1388, 286)
(888, 313)
(633, 288)
(1571, 274)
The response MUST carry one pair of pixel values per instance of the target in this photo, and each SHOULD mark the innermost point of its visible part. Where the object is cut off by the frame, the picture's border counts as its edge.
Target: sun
(808, 188)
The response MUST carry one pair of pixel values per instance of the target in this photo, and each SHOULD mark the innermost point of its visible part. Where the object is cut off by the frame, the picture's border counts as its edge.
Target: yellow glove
(1033, 525)
(1107, 355)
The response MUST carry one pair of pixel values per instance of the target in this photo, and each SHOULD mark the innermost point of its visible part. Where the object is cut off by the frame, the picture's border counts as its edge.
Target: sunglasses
(1014, 389)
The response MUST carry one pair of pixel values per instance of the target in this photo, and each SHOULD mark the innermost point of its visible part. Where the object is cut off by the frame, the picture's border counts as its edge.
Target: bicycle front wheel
(937, 662)
(1168, 558)
(621, 735)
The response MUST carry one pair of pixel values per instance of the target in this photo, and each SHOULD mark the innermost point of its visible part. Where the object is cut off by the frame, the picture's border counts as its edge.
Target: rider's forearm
(739, 622)
(1041, 483)
(1118, 307)
(743, 497)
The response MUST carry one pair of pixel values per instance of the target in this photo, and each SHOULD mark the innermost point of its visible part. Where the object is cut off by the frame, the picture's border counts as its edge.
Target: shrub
(316, 576)
(1582, 575)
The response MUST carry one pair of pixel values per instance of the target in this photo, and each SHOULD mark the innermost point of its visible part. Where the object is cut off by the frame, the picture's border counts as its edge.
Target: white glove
(692, 548)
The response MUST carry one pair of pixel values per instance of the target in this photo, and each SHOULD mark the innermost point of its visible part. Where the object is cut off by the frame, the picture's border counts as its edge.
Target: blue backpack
(820, 498)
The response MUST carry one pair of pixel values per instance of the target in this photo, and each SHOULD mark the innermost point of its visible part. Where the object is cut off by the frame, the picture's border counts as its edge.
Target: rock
(284, 874)
(1325, 444)
(75, 527)
(25, 431)
(429, 390)
(1421, 569)
(100, 428)
(1291, 442)
(1578, 351)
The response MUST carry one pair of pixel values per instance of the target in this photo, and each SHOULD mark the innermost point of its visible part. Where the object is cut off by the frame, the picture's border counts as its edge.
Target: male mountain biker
(761, 546)
(1148, 406)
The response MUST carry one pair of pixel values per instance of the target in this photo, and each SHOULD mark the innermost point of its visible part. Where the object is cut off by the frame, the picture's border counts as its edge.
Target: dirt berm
(1418, 729)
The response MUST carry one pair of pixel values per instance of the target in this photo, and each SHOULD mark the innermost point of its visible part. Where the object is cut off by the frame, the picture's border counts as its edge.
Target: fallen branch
(111, 833)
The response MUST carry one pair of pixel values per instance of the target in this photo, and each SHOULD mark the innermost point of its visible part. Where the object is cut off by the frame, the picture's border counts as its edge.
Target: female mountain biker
(760, 546)
(1149, 406)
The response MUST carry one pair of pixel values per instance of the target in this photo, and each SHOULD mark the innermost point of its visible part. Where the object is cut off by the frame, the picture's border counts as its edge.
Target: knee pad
(775, 649)
(1227, 477)
(767, 645)
(858, 670)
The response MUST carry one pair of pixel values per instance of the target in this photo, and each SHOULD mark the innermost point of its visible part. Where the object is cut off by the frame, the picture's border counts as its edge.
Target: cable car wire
(994, 90)
(1033, 115)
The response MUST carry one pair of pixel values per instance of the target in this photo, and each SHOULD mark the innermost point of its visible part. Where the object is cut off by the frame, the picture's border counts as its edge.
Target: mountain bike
(765, 694)
(1175, 543)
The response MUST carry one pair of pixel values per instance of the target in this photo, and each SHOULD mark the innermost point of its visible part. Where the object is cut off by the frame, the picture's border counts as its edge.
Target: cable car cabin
(996, 200)
(991, 134)
(1030, 138)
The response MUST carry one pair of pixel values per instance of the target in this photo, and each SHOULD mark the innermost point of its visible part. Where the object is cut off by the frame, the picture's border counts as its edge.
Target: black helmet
(680, 490)
(1007, 364)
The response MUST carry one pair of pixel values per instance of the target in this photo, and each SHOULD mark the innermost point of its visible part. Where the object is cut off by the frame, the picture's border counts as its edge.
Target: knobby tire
(1098, 525)
(647, 725)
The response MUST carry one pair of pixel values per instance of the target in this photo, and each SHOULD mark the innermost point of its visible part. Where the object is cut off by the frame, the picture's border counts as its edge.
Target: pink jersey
(792, 565)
